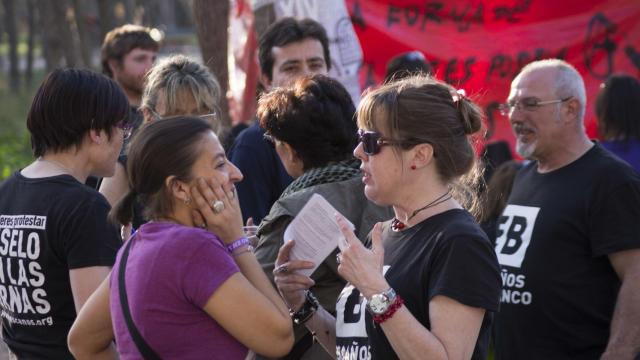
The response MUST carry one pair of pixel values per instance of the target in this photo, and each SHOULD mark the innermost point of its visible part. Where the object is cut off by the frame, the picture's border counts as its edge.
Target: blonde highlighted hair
(178, 76)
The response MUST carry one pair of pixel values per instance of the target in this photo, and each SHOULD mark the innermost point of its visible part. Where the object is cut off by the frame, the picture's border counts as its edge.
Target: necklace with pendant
(397, 225)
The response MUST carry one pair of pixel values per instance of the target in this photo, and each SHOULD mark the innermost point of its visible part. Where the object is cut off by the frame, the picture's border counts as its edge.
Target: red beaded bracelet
(379, 319)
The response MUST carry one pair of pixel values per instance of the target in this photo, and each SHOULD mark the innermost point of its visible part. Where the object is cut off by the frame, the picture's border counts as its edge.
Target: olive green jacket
(347, 197)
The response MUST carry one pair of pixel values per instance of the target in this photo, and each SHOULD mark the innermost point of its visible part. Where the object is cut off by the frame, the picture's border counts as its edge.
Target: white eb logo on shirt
(515, 227)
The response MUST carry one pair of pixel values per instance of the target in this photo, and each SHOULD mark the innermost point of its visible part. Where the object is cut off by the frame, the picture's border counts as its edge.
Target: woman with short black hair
(61, 245)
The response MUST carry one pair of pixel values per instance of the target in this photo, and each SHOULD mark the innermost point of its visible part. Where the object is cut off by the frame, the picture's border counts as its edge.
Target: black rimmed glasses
(126, 127)
(528, 104)
(372, 142)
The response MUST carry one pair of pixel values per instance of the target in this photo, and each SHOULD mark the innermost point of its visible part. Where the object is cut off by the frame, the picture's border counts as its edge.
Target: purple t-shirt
(171, 272)
(628, 151)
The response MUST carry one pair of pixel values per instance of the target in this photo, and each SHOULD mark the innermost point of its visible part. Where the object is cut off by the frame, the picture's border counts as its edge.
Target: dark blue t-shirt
(628, 151)
(264, 175)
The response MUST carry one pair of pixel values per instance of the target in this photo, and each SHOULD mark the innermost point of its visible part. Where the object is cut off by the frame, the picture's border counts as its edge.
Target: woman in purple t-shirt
(618, 115)
(194, 289)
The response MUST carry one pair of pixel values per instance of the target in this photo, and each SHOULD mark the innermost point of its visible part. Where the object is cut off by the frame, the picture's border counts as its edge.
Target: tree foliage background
(37, 36)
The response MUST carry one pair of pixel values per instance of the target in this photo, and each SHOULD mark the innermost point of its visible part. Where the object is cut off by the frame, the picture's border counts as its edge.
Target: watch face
(378, 304)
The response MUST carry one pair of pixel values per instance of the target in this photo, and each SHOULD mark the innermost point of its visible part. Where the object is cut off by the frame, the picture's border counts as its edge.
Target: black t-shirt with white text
(553, 238)
(48, 226)
(447, 254)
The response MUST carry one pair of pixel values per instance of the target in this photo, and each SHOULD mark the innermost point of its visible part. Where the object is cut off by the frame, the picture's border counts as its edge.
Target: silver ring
(280, 269)
(232, 194)
(217, 206)
(338, 258)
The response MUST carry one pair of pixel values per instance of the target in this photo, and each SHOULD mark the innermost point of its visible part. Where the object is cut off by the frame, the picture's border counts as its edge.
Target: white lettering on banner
(21, 275)
(515, 227)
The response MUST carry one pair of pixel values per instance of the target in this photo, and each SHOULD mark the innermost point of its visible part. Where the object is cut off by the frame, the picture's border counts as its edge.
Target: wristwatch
(379, 303)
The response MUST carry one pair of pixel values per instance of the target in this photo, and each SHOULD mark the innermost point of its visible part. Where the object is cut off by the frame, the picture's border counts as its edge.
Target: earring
(413, 167)
(187, 201)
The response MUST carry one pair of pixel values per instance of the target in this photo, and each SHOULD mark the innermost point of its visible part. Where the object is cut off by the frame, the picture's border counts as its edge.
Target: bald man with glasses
(568, 241)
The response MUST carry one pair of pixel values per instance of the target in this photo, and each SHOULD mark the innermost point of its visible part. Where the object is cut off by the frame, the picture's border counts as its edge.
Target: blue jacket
(264, 175)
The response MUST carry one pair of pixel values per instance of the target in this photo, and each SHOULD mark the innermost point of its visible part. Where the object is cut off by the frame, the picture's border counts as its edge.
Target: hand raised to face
(217, 208)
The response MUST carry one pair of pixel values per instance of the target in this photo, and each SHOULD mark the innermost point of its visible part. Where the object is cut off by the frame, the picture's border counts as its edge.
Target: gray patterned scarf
(334, 172)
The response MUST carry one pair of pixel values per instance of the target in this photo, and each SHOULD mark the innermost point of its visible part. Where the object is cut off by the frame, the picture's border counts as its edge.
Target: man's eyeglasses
(372, 142)
(126, 128)
(528, 104)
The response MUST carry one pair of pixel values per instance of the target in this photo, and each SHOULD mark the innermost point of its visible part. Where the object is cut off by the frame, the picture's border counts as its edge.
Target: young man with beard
(289, 49)
(568, 241)
(128, 52)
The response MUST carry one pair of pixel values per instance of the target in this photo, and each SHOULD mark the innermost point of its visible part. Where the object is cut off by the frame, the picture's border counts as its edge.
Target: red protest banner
(481, 45)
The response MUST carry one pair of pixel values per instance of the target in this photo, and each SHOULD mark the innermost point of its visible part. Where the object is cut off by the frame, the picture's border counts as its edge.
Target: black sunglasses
(372, 142)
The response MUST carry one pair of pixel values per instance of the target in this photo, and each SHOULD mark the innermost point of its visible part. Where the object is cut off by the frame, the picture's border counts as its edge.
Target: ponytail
(469, 113)
(122, 212)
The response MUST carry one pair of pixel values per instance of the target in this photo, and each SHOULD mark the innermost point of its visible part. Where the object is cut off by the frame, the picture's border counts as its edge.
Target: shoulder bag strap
(144, 348)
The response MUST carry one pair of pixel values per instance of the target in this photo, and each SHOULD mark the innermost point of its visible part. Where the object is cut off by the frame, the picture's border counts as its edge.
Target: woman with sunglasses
(313, 128)
(186, 285)
(428, 283)
(176, 85)
(56, 243)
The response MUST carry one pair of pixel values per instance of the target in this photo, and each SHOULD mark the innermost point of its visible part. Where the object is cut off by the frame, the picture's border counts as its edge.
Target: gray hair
(568, 81)
(175, 75)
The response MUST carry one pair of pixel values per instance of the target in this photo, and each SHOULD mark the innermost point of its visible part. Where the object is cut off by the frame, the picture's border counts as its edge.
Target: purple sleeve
(210, 266)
